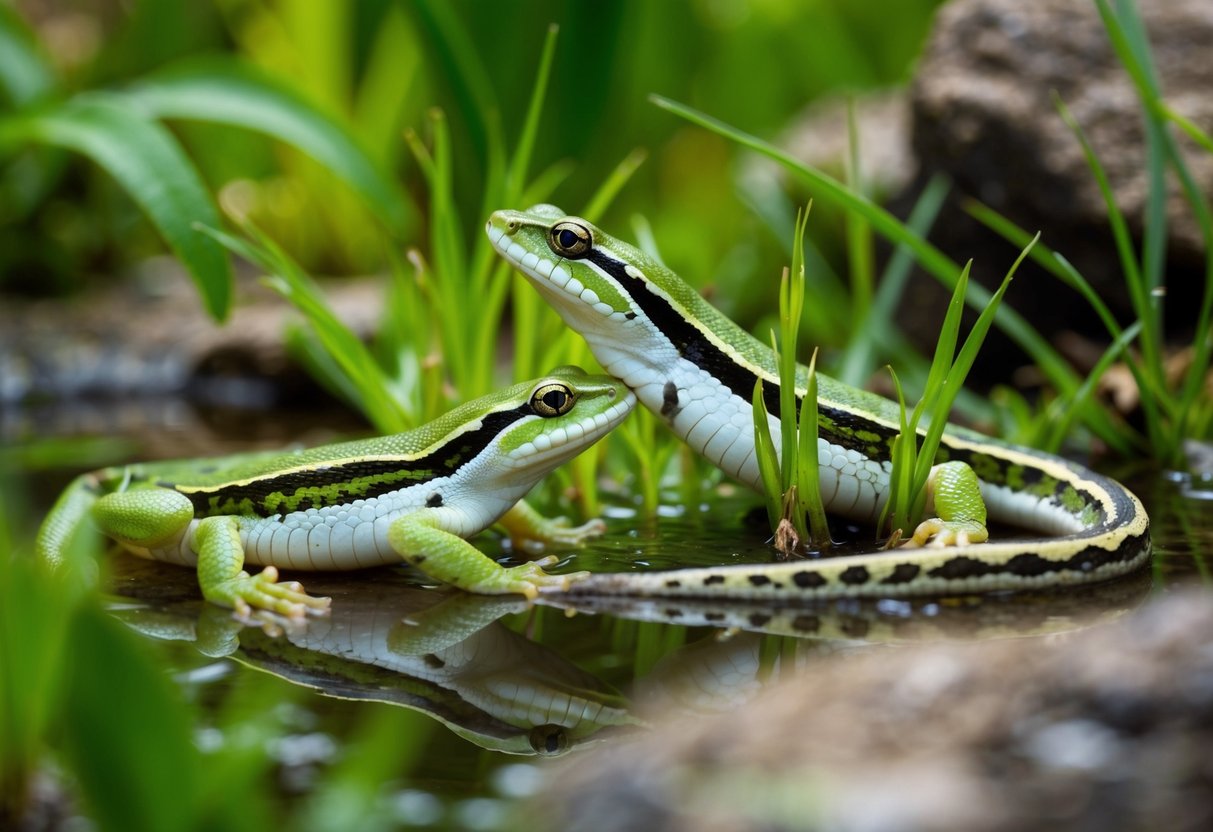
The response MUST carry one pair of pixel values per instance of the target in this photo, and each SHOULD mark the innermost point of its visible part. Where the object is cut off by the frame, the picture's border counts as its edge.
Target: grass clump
(789, 475)
(914, 453)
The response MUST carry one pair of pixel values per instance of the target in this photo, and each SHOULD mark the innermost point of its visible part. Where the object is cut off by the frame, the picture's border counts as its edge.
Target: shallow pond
(489, 683)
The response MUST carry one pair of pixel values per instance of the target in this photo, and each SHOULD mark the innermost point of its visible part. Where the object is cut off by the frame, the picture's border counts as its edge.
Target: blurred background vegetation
(378, 66)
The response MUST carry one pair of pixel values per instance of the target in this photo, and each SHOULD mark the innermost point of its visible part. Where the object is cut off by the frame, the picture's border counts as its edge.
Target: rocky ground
(1105, 729)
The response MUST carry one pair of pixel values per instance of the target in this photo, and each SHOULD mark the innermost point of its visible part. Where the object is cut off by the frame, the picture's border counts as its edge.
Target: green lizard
(410, 497)
(697, 369)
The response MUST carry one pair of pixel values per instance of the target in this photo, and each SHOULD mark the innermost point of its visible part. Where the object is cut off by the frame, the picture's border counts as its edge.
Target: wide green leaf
(149, 163)
(227, 92)
(127, 731)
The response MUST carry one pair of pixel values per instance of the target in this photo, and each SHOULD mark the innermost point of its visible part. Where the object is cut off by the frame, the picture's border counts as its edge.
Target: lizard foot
(531, 532)
(940, 533)
(262, 592)
(528, 579)
(557, 532)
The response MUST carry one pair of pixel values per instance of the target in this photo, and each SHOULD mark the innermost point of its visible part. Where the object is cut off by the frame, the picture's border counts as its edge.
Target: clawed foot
(528, 579)
(941, 533)
(557, 532)
(260, 599)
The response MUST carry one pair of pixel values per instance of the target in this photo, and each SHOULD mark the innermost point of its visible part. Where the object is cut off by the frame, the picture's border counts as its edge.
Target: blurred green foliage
(376, 67)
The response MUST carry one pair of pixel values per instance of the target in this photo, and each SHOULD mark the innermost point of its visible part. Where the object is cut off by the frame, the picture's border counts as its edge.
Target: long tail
(1108, 536)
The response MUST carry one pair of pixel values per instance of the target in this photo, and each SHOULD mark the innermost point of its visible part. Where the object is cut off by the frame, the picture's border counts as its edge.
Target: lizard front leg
(531, 532)
(422, 539)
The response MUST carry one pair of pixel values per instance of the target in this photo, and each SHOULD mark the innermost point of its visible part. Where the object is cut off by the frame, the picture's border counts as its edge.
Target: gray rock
(984, 114)
(1110, 728)
(983, 108)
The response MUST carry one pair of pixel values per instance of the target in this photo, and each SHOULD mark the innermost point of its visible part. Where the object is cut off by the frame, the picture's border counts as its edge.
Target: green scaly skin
(696, 369)
(410, 497)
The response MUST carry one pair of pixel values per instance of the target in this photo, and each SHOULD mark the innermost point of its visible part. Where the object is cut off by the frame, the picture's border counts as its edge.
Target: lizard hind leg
(144, 517)
(954, 495)
(224, 582)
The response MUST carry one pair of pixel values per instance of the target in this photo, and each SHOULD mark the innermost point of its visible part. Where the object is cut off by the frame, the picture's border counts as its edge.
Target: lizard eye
(549, 739)
(551, 400)
(570, 238)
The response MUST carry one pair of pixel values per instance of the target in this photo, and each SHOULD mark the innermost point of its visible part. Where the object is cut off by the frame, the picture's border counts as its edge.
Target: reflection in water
(753, 645)
(443, 654)
(448, 654)
(976, 617)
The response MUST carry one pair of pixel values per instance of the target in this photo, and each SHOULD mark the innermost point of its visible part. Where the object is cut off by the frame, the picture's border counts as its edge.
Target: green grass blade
(448, 259)
(1059, 426)
(787, 426)
(646, 241)
(1129, 40)
(613, 184)
(515, 178)
(113, 764)
(808, 477)
(791, 304)
(1185, 124)
(858, 360)
(895, 515)
(461, 64)
(1128, 37)
(945, 347)
(526, 305)
(1121, 437)
(959, 369)
(1154, 234)
(149, 164)
(931, 258)
(968, 351)
(858, 232)
(496, 165)
(768, 460)
(1044, 257)
(342, 346)
(1144, 303)
(25, 74)
(227, 92)
(543, 185)
(305, 347)
(1134, 50)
